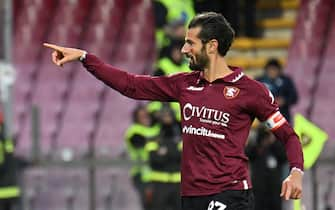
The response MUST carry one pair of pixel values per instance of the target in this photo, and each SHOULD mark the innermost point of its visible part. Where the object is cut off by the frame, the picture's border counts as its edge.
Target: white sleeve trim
(297, 169)
(83, 56)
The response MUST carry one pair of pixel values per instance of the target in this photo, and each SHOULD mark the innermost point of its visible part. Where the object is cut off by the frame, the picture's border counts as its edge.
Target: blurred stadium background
(70, 127)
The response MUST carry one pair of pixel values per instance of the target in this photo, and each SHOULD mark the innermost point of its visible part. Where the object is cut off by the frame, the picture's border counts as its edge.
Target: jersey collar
(235, 76)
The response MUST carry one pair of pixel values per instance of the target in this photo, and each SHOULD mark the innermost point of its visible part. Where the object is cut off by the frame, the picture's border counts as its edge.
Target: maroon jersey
(216, 119)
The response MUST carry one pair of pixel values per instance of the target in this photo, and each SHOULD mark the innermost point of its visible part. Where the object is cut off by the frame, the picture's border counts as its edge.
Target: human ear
(212, 46)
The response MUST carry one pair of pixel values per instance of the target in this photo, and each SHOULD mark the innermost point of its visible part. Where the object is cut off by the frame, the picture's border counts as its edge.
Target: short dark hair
(273, 62)
(214, 26)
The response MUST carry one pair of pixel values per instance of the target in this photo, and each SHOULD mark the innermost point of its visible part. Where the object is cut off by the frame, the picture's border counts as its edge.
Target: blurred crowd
(154, 143)
(172, 17)
(9, 169)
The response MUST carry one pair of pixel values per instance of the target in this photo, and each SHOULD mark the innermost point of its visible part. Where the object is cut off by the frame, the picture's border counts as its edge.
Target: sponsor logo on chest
(205, 115)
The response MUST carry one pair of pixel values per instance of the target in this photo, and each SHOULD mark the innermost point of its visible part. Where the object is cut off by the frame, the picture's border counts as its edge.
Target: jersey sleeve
(143, 87)
(264, 107)
(262, 103)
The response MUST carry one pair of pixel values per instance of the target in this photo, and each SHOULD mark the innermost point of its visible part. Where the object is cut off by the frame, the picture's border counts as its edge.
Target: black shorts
(227, 200)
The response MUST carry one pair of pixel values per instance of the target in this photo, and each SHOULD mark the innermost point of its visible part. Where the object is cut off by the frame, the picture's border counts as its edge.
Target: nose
(185, 49)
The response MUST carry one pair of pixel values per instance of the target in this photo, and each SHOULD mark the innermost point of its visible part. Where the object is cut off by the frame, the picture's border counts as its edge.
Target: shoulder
(256, 90)
(254, 86)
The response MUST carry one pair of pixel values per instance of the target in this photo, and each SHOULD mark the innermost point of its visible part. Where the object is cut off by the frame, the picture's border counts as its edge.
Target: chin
(195, 67)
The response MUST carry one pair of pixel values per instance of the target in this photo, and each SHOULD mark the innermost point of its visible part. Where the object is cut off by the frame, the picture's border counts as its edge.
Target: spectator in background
(164, 159)
(171, 18)
(137, 136)
(267, 158)
(172, 61)
(281, 86)
(9, 189)
(238, 13)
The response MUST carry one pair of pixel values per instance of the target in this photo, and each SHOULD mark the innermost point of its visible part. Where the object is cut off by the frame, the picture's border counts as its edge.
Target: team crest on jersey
(231, 92)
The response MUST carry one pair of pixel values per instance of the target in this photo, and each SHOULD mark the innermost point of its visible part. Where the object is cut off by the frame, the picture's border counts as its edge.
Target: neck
(218, 68)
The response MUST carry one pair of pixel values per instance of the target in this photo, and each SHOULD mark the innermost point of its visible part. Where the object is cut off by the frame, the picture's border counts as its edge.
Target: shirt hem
(205, 193)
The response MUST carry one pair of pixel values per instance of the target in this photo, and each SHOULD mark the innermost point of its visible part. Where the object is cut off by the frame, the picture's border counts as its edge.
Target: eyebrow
(189, 41)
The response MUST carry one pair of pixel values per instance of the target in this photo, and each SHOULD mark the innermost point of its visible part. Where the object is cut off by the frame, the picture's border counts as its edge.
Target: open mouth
(190, 58)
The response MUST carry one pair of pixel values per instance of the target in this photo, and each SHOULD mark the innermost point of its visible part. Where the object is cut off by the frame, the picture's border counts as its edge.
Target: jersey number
(219, 205)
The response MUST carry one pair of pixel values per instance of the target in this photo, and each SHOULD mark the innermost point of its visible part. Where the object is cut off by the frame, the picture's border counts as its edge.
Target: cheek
(193, 52)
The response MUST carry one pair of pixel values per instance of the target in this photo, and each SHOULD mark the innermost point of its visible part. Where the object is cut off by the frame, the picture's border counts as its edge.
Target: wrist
(83, 56)
(297, 170)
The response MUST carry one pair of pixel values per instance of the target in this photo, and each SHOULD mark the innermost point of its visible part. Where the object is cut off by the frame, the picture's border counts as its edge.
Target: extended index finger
(52, 46)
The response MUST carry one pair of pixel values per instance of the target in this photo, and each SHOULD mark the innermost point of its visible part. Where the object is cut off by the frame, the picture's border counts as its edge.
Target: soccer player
(218, 105)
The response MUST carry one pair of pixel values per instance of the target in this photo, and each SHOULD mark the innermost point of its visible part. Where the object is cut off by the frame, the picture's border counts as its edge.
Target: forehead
(273, 68)
(192, 34)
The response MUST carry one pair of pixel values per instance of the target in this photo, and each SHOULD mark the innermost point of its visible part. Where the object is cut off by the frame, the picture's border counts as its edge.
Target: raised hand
(62, 55)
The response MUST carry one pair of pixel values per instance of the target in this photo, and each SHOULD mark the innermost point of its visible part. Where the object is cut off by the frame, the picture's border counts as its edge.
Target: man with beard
(218, 105)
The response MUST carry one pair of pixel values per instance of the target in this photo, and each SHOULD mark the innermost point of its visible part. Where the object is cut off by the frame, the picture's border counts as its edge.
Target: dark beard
(202, 61)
